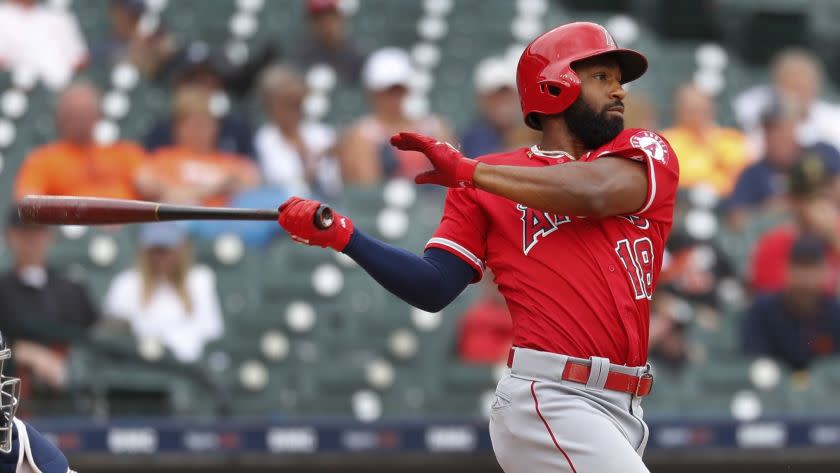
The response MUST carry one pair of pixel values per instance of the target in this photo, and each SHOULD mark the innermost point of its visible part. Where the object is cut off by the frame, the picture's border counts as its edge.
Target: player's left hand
(452, 169)
(297, 217)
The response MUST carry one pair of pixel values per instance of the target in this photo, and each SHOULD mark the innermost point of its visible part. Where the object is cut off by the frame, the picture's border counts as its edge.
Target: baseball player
(22, 448)
(574, 230)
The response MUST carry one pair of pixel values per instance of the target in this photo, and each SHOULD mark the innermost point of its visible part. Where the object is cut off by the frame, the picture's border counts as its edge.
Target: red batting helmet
(548, 85)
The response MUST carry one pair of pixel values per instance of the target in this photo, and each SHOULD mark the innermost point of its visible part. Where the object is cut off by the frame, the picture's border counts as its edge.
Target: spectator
(797, 75)
(43, 40)
(41, 312)
(76, 164)
(485, 331)
(640, 112)
(193, 171)
(816, 213)
(801, 322)
(709, 154)
(762, 185)
(150, 51)
(365, 155)
(329, 42)
(165, 297)
(499, 126)
(294, 154)
(693, 269)
(669, 318)
(199, 67)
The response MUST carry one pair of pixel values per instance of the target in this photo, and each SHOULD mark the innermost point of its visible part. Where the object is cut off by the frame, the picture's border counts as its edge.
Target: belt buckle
(639, 384)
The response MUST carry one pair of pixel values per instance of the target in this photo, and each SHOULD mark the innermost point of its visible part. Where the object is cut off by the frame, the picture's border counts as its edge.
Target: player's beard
(593, 129)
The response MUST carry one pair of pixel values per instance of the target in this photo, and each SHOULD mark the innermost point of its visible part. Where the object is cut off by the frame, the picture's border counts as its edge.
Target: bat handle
(323, 217)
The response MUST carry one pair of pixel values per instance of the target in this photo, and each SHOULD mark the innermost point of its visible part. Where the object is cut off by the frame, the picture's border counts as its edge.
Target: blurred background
(222, 346)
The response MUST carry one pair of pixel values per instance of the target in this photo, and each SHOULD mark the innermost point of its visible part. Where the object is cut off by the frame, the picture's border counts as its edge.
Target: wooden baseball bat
(67, 210)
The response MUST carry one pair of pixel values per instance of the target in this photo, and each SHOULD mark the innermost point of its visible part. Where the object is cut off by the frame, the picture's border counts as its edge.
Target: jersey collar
(548, 156)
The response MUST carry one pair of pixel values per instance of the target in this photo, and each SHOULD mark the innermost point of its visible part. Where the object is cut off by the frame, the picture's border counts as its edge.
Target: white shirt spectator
(819, 125)
(283, 166)
(165, 318)
(43, 40)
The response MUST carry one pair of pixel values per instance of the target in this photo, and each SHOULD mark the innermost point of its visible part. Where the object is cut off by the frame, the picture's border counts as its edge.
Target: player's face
(597, 116)
(600, 82)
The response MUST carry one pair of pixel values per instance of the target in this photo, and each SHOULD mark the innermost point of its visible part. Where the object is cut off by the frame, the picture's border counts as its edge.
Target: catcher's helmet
(9, 396)
(545, 79)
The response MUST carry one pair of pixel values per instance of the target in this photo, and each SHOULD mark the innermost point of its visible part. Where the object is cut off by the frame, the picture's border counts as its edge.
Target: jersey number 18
(637, 258)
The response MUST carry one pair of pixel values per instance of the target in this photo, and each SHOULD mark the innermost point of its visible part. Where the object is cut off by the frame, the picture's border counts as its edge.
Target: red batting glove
(297, 217)
(452, 169)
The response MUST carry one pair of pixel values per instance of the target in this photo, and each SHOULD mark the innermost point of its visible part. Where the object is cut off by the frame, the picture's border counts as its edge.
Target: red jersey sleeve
(463, 229)
(662, 167)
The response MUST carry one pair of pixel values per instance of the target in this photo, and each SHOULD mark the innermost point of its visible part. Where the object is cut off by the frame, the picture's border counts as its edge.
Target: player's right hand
(452, 169)
(297, 217)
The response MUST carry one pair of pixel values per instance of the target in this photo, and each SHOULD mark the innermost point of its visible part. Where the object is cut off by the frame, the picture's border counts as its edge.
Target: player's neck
(557, 137)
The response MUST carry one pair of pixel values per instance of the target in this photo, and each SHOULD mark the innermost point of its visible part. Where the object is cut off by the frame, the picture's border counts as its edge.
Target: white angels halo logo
(652, 145)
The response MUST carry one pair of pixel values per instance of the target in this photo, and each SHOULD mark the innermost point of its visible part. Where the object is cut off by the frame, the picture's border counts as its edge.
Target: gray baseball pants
(542, 423)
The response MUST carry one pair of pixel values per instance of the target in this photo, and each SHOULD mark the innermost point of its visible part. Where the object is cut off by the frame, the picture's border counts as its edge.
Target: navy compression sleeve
(429, 282)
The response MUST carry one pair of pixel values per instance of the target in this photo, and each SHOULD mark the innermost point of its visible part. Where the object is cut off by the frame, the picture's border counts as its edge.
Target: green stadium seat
(698, 20)
(122, 383)
(667, 395)
(760, 28)
(474, 379)
(824, 376)
(200, 19)
(385, 23)
(347, 105)
(282, 23)
(710, 387)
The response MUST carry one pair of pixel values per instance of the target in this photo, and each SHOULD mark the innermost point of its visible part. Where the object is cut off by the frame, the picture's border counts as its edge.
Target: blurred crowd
(771, 181)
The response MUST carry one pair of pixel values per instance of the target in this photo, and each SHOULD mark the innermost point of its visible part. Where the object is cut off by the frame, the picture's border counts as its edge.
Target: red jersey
(578, 286)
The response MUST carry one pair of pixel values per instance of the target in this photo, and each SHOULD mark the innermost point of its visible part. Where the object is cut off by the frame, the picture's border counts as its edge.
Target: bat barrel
(60, 210)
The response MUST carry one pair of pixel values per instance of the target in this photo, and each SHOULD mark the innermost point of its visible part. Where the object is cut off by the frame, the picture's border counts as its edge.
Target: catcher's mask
(9, 398)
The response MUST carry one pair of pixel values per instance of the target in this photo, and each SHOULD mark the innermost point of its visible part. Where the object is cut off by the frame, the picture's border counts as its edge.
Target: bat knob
(323, 217)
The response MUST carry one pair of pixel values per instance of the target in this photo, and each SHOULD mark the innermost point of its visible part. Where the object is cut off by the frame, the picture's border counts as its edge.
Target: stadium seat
(825, 382)
(697, 20)
(667, 395)
(760, 28)
(121, 383)
(710, 387)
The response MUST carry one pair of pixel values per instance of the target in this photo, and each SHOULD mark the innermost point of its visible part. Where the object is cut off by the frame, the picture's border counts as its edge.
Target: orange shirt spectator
(64, 168)
(194, 170)
(75, 164)
(709, 154)
(212, 176)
